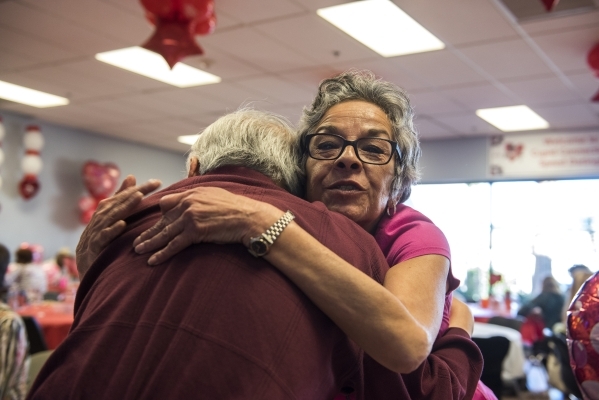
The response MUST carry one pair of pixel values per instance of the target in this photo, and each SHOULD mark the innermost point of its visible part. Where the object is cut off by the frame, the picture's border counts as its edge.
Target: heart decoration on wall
(100, 180)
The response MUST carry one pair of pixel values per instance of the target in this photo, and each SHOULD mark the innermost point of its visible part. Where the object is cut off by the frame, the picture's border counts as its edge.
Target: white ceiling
(275, 52)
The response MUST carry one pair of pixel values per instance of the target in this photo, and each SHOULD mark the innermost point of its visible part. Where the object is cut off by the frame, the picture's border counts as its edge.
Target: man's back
(213, 322)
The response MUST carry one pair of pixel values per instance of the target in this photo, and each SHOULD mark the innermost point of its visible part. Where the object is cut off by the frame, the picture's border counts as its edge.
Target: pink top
(410, 234)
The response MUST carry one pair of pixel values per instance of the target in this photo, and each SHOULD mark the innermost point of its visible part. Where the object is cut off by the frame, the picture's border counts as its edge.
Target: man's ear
(194, 167)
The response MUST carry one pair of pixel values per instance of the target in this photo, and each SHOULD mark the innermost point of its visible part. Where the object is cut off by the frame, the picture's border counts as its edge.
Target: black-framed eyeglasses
(326, 146)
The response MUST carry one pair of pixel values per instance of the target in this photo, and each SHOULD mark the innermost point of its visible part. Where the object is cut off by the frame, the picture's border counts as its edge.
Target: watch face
(258, 247)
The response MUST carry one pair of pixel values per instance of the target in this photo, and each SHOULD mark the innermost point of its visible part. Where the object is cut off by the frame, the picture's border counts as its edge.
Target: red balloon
(583, 337)
(29, 186)
(100, 179)
(174, 41)
(593, 59)
(177, 21)
(207, 26)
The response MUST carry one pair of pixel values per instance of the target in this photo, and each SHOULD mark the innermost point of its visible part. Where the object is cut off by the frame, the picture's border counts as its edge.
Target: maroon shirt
(213, 322)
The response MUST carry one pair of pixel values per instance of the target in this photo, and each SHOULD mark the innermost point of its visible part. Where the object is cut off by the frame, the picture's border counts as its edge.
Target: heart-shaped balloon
(29, 186)
(100, 179)
(583, 337)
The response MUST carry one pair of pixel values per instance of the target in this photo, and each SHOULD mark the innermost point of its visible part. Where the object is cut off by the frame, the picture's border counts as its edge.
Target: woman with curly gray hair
(360, 154)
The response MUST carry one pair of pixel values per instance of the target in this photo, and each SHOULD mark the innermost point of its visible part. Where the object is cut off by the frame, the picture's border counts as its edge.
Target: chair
(554, 353)
(37, 362)
(494, 350)
(37, 342)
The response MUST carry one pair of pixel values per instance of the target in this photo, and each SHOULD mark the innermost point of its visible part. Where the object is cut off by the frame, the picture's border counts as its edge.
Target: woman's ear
(194, 167)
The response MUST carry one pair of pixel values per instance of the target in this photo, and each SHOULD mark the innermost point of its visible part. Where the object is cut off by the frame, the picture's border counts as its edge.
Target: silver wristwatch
(260, 245)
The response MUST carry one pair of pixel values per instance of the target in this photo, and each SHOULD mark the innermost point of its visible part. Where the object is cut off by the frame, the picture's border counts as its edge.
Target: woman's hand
(204, 214)
(107, 222)
(460, 316)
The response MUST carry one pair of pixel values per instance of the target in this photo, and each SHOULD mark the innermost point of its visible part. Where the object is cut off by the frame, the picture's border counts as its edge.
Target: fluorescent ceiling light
(147, 63)
(30, 97)
(187, 139)
(514, 118)
(382, 26)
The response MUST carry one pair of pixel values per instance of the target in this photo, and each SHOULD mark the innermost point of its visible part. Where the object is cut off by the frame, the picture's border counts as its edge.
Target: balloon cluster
(593, 60)
(583, 337)
(32, 162)
(177, 22)
(100, 181)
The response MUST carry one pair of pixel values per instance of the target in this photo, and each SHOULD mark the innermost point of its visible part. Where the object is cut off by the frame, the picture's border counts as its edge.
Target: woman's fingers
(159, 235)
(127, 182)
(175, 246)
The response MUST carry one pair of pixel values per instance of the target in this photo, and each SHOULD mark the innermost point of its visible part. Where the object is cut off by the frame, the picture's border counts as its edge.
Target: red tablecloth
(55, 319)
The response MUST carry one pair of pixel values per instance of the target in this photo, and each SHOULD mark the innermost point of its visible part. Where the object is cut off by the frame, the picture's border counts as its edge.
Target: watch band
(260, 245)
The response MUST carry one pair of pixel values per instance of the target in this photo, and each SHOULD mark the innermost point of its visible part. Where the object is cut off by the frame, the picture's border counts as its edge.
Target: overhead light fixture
(30, 97)
(147, 63)
(381, 26)
(188, 139)
(513, 118)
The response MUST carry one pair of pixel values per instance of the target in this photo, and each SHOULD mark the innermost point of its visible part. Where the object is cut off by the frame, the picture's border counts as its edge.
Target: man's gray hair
(363, 85)
(259, 140)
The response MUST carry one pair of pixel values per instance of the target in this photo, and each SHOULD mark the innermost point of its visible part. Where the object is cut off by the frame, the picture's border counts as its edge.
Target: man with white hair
(214, 322)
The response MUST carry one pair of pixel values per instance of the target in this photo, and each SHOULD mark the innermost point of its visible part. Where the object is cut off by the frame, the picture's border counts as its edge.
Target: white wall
(51, 218)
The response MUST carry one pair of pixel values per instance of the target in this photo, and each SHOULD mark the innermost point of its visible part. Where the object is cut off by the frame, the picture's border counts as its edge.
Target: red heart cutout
(100, 179)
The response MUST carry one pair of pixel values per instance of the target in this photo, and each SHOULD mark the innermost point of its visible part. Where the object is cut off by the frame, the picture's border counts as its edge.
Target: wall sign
(544, 155)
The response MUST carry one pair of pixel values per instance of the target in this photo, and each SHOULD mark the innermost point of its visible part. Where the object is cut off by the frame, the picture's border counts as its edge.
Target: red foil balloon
(550, 4)
(583, 337)
(593, 60)
(177, 22)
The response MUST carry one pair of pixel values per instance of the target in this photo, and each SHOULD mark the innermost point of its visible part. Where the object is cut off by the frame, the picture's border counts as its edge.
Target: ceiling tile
(428, 129)
(569, 49)
(39, 51)
(467, 124)
(256, 10)
(221, 64)
(438, 68)
(586, 84)
(260, 51)
(569, 116)
(316, 39)
(542, 91)
(309, 78)
(562, 23)
(58, 31)
(277, 90)
(478, 96)
(506, 59)
(101, 17)
(459, 22)
(11, 61)
(433, 103)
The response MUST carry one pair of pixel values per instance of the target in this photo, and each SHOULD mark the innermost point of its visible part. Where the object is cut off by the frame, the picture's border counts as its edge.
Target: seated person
(14, 363)
(27, 278)
(548, 305)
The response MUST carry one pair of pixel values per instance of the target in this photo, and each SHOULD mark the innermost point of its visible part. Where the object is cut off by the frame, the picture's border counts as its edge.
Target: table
(481, 314)
(55, 319)
(514, 362)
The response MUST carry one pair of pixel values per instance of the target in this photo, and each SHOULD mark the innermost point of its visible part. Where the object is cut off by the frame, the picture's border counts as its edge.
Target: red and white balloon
(583, 337)
(177, 22)
(100, 180)
(32, 162)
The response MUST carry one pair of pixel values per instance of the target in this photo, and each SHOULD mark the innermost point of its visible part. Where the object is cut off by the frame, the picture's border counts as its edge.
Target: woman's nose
(348, 159)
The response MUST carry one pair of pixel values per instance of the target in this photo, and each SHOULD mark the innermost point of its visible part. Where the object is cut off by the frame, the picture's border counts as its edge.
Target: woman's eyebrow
(326, 129)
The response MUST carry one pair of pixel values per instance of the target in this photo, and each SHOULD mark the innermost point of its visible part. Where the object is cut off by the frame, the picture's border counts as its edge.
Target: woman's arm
(395, 324)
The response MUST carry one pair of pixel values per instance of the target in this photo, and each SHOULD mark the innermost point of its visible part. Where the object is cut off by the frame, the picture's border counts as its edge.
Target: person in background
(61, 272)
(27, 278)
(14, 362)
(548, 304)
